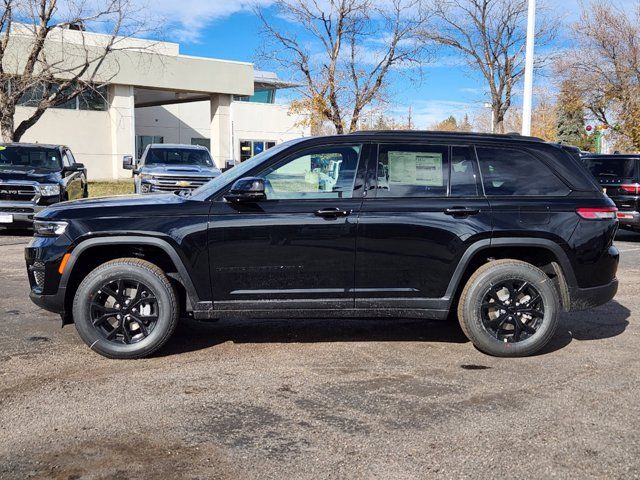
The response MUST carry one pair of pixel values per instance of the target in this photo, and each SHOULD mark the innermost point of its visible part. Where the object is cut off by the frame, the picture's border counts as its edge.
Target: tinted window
(27, 158)
(326, 172)
(464, 175)
(178, 156)
(515, 172)
(612, 167)
(412, 171)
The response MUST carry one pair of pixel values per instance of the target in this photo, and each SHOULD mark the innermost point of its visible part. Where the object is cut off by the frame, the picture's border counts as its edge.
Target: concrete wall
(86, 133)
(251, 121)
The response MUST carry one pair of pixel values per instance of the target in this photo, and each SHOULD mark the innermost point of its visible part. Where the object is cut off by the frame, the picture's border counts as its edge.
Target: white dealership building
(156, 95)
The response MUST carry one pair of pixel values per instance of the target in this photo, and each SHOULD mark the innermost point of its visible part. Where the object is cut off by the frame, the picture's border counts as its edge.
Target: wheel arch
(543, 253)
(92, 252)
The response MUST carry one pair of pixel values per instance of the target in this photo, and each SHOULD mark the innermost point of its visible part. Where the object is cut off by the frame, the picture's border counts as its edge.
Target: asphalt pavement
(319, 399)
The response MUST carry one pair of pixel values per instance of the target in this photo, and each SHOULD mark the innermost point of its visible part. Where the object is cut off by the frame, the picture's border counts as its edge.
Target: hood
(13, 174)
(180, 170)
(118, 206)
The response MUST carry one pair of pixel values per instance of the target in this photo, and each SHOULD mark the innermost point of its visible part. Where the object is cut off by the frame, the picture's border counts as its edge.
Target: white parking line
(628, 250)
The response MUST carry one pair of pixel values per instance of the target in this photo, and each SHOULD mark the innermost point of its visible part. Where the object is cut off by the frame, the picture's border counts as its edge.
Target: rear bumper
(629, 220)
(586, 298)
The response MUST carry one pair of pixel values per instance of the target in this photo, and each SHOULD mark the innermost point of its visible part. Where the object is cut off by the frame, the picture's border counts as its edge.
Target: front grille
(170, 184)
(20, 193)
(15, 210)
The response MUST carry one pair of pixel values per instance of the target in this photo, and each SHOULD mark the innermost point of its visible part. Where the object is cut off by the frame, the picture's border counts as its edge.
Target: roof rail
(512, 135)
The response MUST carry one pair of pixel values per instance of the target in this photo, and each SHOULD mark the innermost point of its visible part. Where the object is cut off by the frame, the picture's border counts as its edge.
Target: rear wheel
(125, 308)
(509, 308)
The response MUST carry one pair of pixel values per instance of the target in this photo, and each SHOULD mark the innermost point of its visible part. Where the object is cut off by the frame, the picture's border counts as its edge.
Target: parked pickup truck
(34, 176)
(168, 168)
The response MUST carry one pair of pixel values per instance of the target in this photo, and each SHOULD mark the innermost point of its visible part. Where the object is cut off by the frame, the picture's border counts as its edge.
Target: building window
(260, 95)
(143, 141)
(94, 99)
(203, 142)
(249, 148)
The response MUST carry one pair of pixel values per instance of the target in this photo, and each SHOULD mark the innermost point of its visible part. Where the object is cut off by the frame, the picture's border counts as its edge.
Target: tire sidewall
(472, 310)
(97, 279)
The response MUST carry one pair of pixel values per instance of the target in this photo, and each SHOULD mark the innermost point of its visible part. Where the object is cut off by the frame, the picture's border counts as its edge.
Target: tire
(140, 327)
(491, 315)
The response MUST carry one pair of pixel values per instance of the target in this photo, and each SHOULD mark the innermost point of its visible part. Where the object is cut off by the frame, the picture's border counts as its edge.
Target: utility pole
(528, 72)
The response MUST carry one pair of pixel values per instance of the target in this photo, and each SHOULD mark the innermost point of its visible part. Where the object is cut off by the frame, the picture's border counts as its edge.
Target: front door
(424, 207)
(296, 249)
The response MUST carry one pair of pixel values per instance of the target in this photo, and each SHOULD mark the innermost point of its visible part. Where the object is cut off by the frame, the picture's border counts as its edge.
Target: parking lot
(320, 399)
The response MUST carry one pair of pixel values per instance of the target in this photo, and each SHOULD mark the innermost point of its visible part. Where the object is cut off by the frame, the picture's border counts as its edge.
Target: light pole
(527, 107)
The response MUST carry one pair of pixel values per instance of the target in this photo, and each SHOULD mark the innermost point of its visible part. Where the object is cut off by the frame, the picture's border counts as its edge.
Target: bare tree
(345, 53)
(491, 36)
(46, 57)
(604, 67)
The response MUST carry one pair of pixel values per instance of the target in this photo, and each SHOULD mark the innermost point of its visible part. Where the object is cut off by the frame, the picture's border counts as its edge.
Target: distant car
(34, 176)
(168, 168)
(619, 176)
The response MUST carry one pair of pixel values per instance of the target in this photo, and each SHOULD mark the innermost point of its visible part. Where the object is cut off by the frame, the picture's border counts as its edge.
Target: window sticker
(416, 168)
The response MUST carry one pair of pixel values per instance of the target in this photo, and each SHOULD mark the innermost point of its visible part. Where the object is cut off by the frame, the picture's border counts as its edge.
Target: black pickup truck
(35, 176)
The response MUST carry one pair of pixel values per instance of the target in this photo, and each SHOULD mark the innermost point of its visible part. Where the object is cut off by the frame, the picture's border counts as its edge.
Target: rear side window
(464, 175)
(510, 172)
(612, 167)
(412, 171)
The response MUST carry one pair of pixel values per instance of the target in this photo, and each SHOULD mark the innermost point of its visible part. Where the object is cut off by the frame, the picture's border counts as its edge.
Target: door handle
(461, 211)
(333, 212)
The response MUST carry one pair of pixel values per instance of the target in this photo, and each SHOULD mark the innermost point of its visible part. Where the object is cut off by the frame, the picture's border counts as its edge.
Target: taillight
(603, 213)
(633, 188)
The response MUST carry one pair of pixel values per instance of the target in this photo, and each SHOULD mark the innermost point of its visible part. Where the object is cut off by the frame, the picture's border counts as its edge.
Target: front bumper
(22, 213)
(587, 298)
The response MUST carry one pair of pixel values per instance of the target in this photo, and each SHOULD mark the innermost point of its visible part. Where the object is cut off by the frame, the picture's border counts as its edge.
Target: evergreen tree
(571, 121)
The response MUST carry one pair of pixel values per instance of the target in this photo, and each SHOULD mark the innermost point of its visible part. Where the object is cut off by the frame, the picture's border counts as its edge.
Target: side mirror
(247, 190)
(128, 162)
(76, 167)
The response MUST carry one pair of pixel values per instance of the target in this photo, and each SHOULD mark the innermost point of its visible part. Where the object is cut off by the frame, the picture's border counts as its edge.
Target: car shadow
(193, 335)
(607, 321)
(627, 236)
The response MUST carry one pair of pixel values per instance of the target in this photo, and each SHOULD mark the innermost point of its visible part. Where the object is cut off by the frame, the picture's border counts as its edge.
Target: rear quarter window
(514, 172)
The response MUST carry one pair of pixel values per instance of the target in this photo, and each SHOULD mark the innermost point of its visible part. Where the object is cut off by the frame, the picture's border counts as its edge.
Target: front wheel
(509, 308)
(125, 309)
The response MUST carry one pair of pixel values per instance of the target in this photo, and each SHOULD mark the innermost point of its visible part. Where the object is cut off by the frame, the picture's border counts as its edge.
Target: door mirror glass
(76, 167)
(247, 190)
(128, 162)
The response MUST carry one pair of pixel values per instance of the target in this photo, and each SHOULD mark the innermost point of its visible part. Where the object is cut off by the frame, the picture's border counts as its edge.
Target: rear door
(424, 207)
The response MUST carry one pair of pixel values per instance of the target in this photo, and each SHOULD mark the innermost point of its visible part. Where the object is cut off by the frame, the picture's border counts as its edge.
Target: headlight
(148, 178)
(49, 229)
(49, 190)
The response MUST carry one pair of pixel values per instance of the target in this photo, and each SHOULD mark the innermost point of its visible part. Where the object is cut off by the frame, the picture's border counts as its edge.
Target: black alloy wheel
(124, 311)
(512, 310)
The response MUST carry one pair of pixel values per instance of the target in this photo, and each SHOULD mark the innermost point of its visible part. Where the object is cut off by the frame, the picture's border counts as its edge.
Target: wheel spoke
(533, 312)
(116, 296)
(526, 328)
(103, 309)
(126, 334)
(102, 319)
(113, 333)
(498, 322)
(494, 295)
(143, 327)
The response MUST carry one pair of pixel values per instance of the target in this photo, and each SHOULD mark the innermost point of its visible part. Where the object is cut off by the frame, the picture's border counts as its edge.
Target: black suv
(34, 176)
(619, 176)
(505, 231)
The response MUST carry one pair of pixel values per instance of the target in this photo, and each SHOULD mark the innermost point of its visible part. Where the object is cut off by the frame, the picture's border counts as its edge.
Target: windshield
(240, 170)
(29, 158)
(612, 167)
(178, 156)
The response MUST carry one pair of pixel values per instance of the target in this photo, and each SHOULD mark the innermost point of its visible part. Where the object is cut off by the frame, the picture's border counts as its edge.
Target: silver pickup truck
(170, 167)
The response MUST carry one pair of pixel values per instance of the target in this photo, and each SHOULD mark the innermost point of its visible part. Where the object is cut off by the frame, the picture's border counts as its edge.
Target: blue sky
(228, 29)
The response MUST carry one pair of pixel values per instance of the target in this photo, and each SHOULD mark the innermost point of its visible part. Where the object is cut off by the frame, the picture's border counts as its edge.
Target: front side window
(326, 172)
(510, 172)
(412, 171)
